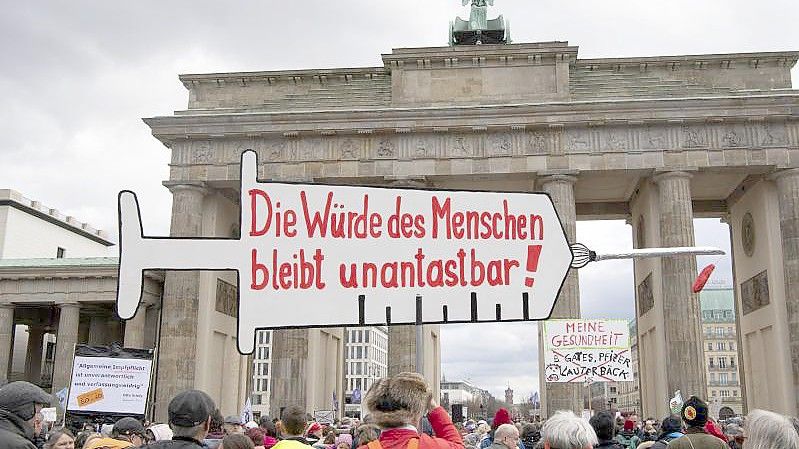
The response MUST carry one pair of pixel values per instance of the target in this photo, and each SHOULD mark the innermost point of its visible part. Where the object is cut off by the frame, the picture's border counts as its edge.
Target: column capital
(179, 186)
(418, 182)
(782, 173)
(569, 177)
(67, 305)
(662, 176)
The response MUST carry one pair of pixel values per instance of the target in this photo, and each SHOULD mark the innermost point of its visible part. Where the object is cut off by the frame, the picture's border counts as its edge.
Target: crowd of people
(403, 414)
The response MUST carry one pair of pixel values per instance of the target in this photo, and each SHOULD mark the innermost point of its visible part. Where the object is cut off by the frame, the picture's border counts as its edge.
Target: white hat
(251, 424)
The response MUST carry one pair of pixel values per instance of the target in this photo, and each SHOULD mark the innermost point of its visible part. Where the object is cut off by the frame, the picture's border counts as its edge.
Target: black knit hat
(694, 412)
(20, 398)
(671, 423)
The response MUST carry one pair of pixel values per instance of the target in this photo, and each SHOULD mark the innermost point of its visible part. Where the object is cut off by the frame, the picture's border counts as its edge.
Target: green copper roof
(717, 299)
(65, 262)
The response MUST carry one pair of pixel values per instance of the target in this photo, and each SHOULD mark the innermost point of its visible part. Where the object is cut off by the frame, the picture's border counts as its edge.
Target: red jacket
(448, 436)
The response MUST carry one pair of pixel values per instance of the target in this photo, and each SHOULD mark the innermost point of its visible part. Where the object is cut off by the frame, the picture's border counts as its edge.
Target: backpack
(664, 442)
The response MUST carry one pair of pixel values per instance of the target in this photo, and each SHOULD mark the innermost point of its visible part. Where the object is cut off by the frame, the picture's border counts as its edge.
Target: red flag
(701, 280)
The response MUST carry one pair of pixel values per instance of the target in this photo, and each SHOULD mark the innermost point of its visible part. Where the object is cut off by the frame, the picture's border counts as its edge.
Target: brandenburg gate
(657, 141)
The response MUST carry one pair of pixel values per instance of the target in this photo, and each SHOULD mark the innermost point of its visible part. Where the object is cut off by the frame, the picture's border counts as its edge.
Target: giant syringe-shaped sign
(313, 255)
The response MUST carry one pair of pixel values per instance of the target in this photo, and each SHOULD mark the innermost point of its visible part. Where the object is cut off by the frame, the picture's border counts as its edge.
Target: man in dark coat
(190, 420)
(604, 425)
(671, 429)
(20, 413)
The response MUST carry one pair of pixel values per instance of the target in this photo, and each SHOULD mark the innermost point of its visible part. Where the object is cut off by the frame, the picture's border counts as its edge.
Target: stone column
(562, 396)
(134, 328)
(6, 340)
(788, 191)
(177, 348)
(401, 349)
(289, 370)
(98, 328)
(682, 326)
(402, 338)
(66, 339)
(33, 357)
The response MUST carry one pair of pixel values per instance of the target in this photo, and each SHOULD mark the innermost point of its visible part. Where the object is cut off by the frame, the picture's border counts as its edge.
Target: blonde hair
(398, 400)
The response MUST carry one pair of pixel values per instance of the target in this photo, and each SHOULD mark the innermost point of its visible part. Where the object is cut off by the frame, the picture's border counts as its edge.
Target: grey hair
(565, 430)
(769, 430)
(503, 431)
(188, 432)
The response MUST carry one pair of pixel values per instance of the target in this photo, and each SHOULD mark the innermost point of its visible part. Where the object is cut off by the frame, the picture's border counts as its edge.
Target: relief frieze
(654, 138)
(612, 138)
(421, 148)
(275, 151)
(202, 152)
(385, 148)
(349, 149)
(578, 140)
(733, 136)
(499, 144)
(772, 134)
(537, 143)
(461, 146)
(693, 137)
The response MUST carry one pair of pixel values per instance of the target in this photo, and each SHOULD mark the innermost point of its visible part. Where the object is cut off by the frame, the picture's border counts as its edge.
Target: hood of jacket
(15, 424)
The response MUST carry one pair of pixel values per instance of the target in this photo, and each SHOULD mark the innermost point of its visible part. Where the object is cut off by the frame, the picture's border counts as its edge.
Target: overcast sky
(77, 77)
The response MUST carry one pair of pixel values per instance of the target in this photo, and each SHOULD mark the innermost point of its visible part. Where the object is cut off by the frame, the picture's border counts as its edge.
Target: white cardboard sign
(314, 255)
(109, 385)
(587, 350)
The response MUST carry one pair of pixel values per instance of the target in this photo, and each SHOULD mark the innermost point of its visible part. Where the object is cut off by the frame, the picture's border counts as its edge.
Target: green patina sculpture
(477, 18)
(479, 29)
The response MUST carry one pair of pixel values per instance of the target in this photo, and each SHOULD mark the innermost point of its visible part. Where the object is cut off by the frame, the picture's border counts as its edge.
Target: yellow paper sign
(90, 397)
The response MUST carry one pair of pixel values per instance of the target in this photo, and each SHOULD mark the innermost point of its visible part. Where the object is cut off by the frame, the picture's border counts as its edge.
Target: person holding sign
(397, 404)
(21, 404)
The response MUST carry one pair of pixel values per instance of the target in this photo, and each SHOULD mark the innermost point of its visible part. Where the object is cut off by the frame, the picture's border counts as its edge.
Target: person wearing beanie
(502, 416)
(313, 433)
(628, 437)
(695, 414)
(20, 414)
(343, 441)
(670, 429)
(397, 404)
